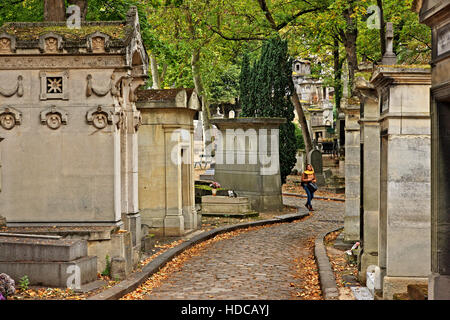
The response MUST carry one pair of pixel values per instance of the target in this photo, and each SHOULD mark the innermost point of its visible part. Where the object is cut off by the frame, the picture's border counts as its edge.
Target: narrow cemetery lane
(257, 264)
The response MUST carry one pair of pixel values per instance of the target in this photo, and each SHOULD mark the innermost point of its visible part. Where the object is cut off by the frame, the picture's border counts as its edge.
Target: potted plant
(214, 186)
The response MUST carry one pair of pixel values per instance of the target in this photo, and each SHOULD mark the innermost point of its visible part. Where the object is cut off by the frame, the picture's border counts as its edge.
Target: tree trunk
(207, 139)
(54, 10)
(382, 31)
(350, 37)
(302, 120)
(337, 75)
(338, 87)
(155, 73)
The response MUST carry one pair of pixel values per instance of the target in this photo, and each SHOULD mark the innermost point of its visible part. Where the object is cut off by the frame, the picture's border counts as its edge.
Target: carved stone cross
(389, 57)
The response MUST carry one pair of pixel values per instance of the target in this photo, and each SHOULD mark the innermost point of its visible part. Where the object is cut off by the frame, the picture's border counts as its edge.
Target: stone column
(351, 108)
(435, 15)
(405, 190)
(174, 219)
(370, 130)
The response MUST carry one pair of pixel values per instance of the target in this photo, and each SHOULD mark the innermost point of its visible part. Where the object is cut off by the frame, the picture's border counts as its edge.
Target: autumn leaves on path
(269, 262)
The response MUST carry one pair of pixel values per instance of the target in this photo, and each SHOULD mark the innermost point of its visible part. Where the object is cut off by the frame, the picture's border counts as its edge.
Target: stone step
(40, 249)
(52, 274)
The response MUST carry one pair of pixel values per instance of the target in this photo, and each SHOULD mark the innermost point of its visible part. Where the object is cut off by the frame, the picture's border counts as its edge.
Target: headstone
(389, 57)
(315, 159)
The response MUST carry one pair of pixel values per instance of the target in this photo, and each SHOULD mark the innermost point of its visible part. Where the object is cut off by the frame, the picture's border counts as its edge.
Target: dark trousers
(309, 193)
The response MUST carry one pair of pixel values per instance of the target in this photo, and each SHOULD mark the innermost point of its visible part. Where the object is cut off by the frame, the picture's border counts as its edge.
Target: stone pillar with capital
(435, 14)
(351, 109)
(370, 179)
(404, 239)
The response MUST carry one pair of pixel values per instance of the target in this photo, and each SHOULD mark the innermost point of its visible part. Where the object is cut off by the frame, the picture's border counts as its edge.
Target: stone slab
(51, 274)
(40, 249)
(362, 293)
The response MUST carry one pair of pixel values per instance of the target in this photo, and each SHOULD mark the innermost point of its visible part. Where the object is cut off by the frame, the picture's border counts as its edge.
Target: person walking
(309, 184)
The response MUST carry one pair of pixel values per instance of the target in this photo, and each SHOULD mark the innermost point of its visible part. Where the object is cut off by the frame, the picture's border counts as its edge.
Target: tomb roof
(161, 94)
(29, 31)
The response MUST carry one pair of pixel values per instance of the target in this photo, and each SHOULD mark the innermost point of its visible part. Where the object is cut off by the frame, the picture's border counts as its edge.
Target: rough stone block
(36, 249)
(52, 274)
(393, 285)
(118, 268)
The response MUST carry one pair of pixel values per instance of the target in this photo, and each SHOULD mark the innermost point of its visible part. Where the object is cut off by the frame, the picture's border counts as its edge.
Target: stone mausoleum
(166, 172)
(68, 132)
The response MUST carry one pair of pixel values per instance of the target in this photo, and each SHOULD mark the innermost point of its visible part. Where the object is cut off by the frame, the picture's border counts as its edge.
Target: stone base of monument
(227, 206)
(102, 242)
(399, 285)
(48, 261)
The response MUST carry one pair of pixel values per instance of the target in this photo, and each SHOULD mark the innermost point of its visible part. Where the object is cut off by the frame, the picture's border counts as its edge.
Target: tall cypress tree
(244, 83)
(268, 96)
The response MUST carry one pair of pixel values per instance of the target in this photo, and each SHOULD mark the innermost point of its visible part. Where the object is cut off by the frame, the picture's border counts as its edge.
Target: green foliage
(268, 95)
(300, 143)
(24, 282)
(107, 271)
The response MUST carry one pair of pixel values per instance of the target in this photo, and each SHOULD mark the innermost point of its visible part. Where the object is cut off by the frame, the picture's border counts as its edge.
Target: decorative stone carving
(54, 85)
(98, 42)
(99, 117)
(111, 88)
(137, 120)
(54, 117)
(7, 43)
(50, 43)
(60, 62)
(17, 89)
(9, 118)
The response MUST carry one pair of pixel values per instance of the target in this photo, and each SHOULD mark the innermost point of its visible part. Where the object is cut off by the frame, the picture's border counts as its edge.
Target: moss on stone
(34, 31)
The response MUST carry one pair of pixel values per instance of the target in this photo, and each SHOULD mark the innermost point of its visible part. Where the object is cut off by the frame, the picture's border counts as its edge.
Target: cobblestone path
(253, 265)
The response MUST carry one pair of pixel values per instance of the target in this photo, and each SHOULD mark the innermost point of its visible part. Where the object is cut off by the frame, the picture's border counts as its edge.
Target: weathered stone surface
(51, 274)
(393, 285)
(167, 203)
(39, 249)
(240, 165)
(433, 14)
(118, 268)
(223, 205)
(405, 189)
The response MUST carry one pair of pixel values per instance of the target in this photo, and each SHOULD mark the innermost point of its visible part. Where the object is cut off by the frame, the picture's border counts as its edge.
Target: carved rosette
(99, 118)
(54, 117)
(9, 118)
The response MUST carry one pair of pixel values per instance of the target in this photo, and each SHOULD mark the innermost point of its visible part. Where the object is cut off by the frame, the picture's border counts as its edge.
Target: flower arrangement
(7, 286)
(215, 185)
